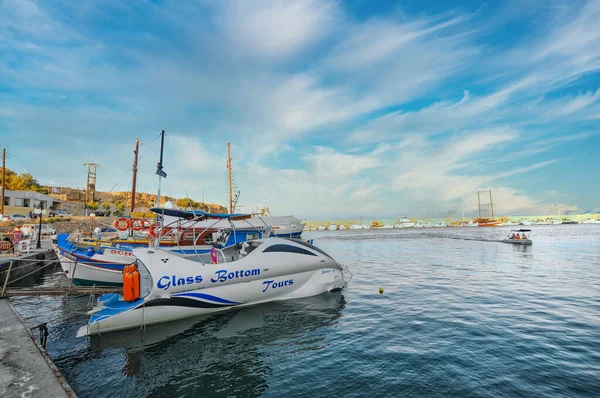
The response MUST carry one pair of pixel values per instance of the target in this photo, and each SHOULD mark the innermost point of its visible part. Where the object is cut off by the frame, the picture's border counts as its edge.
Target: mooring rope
(30, 264)
(26, 275)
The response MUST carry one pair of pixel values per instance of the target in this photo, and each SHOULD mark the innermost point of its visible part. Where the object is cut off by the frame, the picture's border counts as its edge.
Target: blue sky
(333, 109)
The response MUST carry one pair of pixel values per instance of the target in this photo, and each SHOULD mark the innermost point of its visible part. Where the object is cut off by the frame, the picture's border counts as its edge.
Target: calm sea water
(460, 316)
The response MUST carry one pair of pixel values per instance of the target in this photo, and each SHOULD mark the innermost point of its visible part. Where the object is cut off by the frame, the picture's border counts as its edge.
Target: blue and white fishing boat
(102, 264)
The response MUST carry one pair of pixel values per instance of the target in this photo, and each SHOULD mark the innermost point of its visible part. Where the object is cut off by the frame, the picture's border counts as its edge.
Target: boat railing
(191, 223)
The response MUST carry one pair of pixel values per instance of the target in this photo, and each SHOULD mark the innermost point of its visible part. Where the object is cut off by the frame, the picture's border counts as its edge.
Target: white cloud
(276, 29)
(328, 164)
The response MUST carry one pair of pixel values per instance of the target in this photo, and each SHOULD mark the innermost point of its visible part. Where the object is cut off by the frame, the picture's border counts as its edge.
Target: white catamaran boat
(161, 286)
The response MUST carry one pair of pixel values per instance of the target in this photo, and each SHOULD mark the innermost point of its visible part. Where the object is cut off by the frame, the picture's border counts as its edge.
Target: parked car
(47, 229)
(4, 217)
(18, 217)
(108, 229)
(63, 213)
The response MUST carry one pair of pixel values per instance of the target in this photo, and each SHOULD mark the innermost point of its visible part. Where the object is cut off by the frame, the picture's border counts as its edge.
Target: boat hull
(489, 224)
(525, 242)
(83, 274)
(218, 299)
(171, 287)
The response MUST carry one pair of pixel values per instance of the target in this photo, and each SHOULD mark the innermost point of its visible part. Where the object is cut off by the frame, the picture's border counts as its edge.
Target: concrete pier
(26, 370)
(27, 266)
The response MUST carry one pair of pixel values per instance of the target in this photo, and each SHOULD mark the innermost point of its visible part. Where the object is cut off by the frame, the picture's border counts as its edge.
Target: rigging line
(186, 194)
(39, 167)
(121, 184)
(130, 170)
(26, 275)
(27, 265)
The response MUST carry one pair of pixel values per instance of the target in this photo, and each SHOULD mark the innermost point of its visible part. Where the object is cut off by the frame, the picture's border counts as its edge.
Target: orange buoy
(136, 285)
(136, 224)
(122, 224)
(146, 224)
(131, 283)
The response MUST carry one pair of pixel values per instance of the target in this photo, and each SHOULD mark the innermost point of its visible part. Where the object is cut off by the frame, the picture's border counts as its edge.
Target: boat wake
(475, 239)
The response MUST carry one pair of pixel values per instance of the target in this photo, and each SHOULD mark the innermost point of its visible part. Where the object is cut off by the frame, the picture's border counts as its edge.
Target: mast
(479, 204)
(134, 181)
(491, 204)
(230, 178)
(159, 168)
(3, 180)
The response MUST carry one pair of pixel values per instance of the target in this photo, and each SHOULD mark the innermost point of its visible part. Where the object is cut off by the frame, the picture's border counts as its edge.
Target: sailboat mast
(491, 204)
(3, 182)
(479, 204)
(134, 180)
(159, 170)
(230, 178)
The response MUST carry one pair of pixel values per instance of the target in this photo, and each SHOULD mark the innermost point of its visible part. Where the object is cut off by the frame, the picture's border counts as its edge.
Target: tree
(120, 208)
(10, 176)
(106, 206)
(92, 205)
(186, 202)
(22, 182)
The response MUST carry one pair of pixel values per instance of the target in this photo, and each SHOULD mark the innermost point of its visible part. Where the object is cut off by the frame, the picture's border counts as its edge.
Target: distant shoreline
(391, 221)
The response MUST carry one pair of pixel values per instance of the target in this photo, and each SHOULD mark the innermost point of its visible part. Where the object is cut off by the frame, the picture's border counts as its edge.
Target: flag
(160, 172)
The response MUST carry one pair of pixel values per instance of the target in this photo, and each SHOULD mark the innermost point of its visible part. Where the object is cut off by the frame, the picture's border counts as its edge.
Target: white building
(29, 199)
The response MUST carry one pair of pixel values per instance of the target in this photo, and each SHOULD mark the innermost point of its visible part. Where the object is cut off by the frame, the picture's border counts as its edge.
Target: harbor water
(460, 315)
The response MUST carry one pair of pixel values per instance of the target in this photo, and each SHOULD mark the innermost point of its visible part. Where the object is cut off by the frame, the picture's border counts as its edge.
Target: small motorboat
(519, 237)
(161, 286)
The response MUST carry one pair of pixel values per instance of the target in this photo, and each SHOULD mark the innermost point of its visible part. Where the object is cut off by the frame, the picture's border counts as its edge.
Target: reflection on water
(462, 315)
(228, 354)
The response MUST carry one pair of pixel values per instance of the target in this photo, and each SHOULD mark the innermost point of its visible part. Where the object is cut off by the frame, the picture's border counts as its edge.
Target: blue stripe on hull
(206, 297)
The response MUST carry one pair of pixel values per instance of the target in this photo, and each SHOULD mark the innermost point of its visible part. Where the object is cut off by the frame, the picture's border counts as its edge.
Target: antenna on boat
(134, 180)
(159, 168)
(491, 204)
(237, 196)
(230, 178)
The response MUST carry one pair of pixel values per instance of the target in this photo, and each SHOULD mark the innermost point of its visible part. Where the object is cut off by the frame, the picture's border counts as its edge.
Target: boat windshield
(301, 242)
(251, 245)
